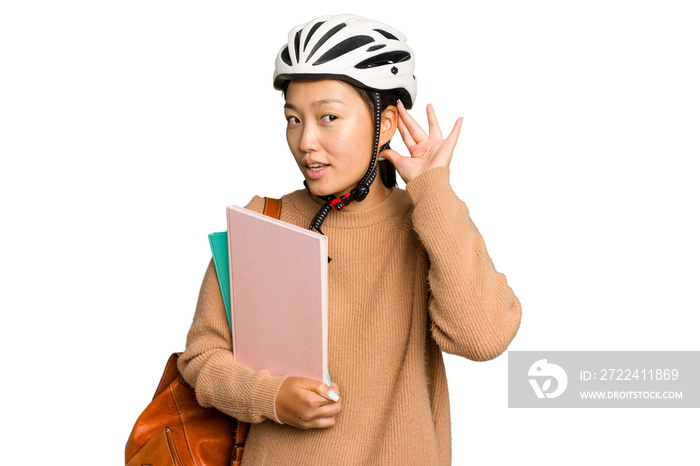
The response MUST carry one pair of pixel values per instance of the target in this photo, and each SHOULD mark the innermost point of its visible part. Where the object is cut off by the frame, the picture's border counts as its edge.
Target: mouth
(315, 169)
(316, 166)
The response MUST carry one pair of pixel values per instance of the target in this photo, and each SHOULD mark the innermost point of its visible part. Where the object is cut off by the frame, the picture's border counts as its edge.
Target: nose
(309, 139)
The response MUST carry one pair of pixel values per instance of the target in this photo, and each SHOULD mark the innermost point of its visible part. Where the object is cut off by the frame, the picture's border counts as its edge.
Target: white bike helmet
(365, 53)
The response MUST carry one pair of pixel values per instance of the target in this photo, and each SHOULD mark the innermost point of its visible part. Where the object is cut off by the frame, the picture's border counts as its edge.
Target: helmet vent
(348, 45)
(311, 33)
(297, 41)
(376, 47)
(386, 34)
(387, 58)
(285, 56)
(323, 39)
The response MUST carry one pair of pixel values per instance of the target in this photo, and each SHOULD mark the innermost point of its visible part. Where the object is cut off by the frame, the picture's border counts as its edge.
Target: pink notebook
(279, 295)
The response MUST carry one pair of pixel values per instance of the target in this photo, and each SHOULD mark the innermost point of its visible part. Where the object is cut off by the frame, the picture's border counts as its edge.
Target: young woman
(409, 276)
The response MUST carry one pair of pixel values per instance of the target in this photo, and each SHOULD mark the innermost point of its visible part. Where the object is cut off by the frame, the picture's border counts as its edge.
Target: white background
(126, 128)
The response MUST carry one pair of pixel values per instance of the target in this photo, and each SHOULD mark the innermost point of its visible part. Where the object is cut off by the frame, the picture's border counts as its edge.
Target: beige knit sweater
(409, 278)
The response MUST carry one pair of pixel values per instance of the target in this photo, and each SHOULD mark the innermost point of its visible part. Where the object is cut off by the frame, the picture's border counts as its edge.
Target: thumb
(391, 155)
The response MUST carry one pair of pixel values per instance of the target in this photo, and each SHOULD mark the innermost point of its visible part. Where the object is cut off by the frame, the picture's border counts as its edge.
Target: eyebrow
(317, 103)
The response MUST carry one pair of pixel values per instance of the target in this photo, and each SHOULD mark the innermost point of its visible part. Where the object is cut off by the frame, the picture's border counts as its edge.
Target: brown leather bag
(175, 430)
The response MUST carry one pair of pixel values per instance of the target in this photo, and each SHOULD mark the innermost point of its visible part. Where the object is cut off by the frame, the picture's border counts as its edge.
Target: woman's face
(330, 132)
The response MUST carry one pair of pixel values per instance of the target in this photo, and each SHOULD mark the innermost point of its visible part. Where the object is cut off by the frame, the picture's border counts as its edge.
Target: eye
(328, 118)
(292, 120)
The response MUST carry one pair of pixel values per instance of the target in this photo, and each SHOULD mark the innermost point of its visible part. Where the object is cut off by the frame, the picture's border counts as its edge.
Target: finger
(316, 423)
(328, 410)
(335, 388)
(433, 126)
(405, 135)
(413, 127)
(454, 134)
(322, 390)
(318, 416)
(391, 155)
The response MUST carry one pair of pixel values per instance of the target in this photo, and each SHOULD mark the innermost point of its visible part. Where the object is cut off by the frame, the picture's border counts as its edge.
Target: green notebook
(219, 251)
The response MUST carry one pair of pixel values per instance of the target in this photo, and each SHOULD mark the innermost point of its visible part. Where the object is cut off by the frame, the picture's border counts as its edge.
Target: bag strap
(169, 374)
(273, 207)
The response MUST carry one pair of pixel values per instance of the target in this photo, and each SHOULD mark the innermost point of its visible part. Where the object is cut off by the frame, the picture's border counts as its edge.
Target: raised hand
(307, 404)
(428, 150)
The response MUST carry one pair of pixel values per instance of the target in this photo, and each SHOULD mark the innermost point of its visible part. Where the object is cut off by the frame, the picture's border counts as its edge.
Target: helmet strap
(360, 192)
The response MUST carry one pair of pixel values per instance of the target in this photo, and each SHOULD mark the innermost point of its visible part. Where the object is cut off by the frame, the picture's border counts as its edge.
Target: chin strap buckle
(360, 192)
(339, 203)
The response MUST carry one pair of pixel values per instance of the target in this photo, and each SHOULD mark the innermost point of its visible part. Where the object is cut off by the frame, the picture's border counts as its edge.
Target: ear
(389, 123)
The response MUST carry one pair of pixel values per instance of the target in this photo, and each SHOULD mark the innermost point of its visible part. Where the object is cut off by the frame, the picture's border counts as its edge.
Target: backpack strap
(273, 207)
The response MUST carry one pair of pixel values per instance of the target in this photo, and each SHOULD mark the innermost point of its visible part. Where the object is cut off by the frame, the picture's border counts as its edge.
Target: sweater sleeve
(207, 363)
(474, 313)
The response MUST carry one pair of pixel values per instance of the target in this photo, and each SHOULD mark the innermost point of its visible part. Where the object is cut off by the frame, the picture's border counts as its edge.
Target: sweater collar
(397, 201)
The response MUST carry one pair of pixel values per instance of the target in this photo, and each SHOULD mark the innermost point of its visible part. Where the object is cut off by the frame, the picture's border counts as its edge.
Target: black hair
(387, 172)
